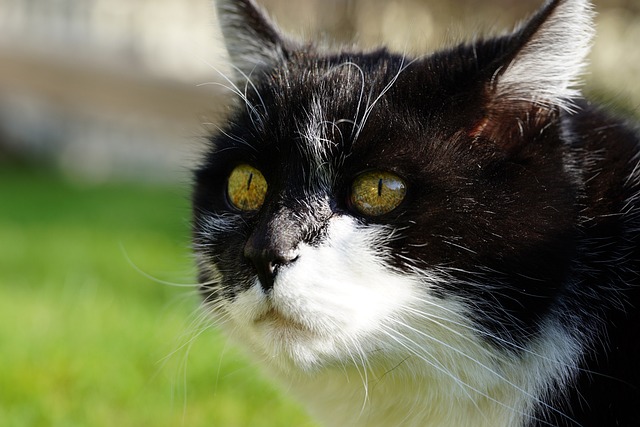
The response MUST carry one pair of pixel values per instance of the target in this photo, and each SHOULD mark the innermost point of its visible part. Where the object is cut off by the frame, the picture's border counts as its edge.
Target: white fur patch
(317, 139)
(335, 294)
(364, 345)
(547, 70)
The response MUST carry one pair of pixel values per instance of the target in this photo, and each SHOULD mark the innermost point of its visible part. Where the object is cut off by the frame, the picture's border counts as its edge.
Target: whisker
(235, 89)
(151, 277)
(482, 365)
(232, 137)
(474, 389)
(384, 91)
(362, 372)
(253, 86)
(433, 363)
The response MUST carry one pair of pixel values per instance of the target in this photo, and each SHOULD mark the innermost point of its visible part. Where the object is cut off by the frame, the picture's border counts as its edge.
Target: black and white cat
(448, 240)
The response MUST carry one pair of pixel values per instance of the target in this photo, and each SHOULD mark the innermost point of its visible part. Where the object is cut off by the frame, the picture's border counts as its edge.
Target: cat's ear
(252, 39)
(546, 56)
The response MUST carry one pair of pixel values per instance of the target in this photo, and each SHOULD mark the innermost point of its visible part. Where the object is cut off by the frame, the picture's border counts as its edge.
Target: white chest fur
(341, 399)
(464, 391)
(363, 345)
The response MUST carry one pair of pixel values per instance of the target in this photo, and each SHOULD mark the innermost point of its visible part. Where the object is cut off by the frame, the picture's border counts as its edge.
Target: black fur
(537, 204)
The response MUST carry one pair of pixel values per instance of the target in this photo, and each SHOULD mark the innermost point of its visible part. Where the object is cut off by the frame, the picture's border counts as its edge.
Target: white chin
(332, 303)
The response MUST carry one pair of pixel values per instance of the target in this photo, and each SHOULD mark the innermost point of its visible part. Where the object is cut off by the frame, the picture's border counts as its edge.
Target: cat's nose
(267, 262)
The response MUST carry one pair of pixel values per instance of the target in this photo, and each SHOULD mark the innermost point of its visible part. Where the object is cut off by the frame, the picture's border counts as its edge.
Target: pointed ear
(251, 38)
(547, 56)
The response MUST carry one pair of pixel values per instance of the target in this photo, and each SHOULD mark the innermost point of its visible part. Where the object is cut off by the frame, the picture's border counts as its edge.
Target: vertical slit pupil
(249, 180)
(380, 187)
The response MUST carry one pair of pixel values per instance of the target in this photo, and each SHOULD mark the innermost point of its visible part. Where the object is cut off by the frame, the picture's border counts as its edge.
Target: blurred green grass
(86, 339)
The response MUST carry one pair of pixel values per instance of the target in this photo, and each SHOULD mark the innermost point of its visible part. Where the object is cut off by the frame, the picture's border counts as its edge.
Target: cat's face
(337, 274)
(373, 205)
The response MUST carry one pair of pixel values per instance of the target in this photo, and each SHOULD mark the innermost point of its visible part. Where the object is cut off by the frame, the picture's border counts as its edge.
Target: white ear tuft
(551, 58)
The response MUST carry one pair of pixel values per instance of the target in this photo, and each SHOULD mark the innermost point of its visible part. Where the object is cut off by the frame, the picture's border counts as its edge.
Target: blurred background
(109, 88)
(104, 107)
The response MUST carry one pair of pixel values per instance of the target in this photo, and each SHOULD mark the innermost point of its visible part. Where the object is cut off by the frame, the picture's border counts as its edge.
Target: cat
(442, 240)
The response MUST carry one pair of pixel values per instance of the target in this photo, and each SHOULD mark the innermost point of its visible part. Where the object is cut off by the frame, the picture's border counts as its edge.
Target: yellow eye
(377, 193)
(246, 188)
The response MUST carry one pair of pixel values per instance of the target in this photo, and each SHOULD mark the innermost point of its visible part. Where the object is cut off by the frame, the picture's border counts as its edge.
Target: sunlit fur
(552, 78)
(359, 332)
(501, 292)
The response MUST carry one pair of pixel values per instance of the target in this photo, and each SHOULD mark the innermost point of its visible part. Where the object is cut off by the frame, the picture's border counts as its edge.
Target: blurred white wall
(110, 88)
(165, 38)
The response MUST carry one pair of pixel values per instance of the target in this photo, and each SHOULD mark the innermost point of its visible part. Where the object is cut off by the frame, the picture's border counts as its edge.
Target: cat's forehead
(325, 103)
(336, 82)
(314, 91)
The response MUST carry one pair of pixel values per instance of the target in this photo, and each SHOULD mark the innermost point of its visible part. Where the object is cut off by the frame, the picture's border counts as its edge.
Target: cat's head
(361, 205)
